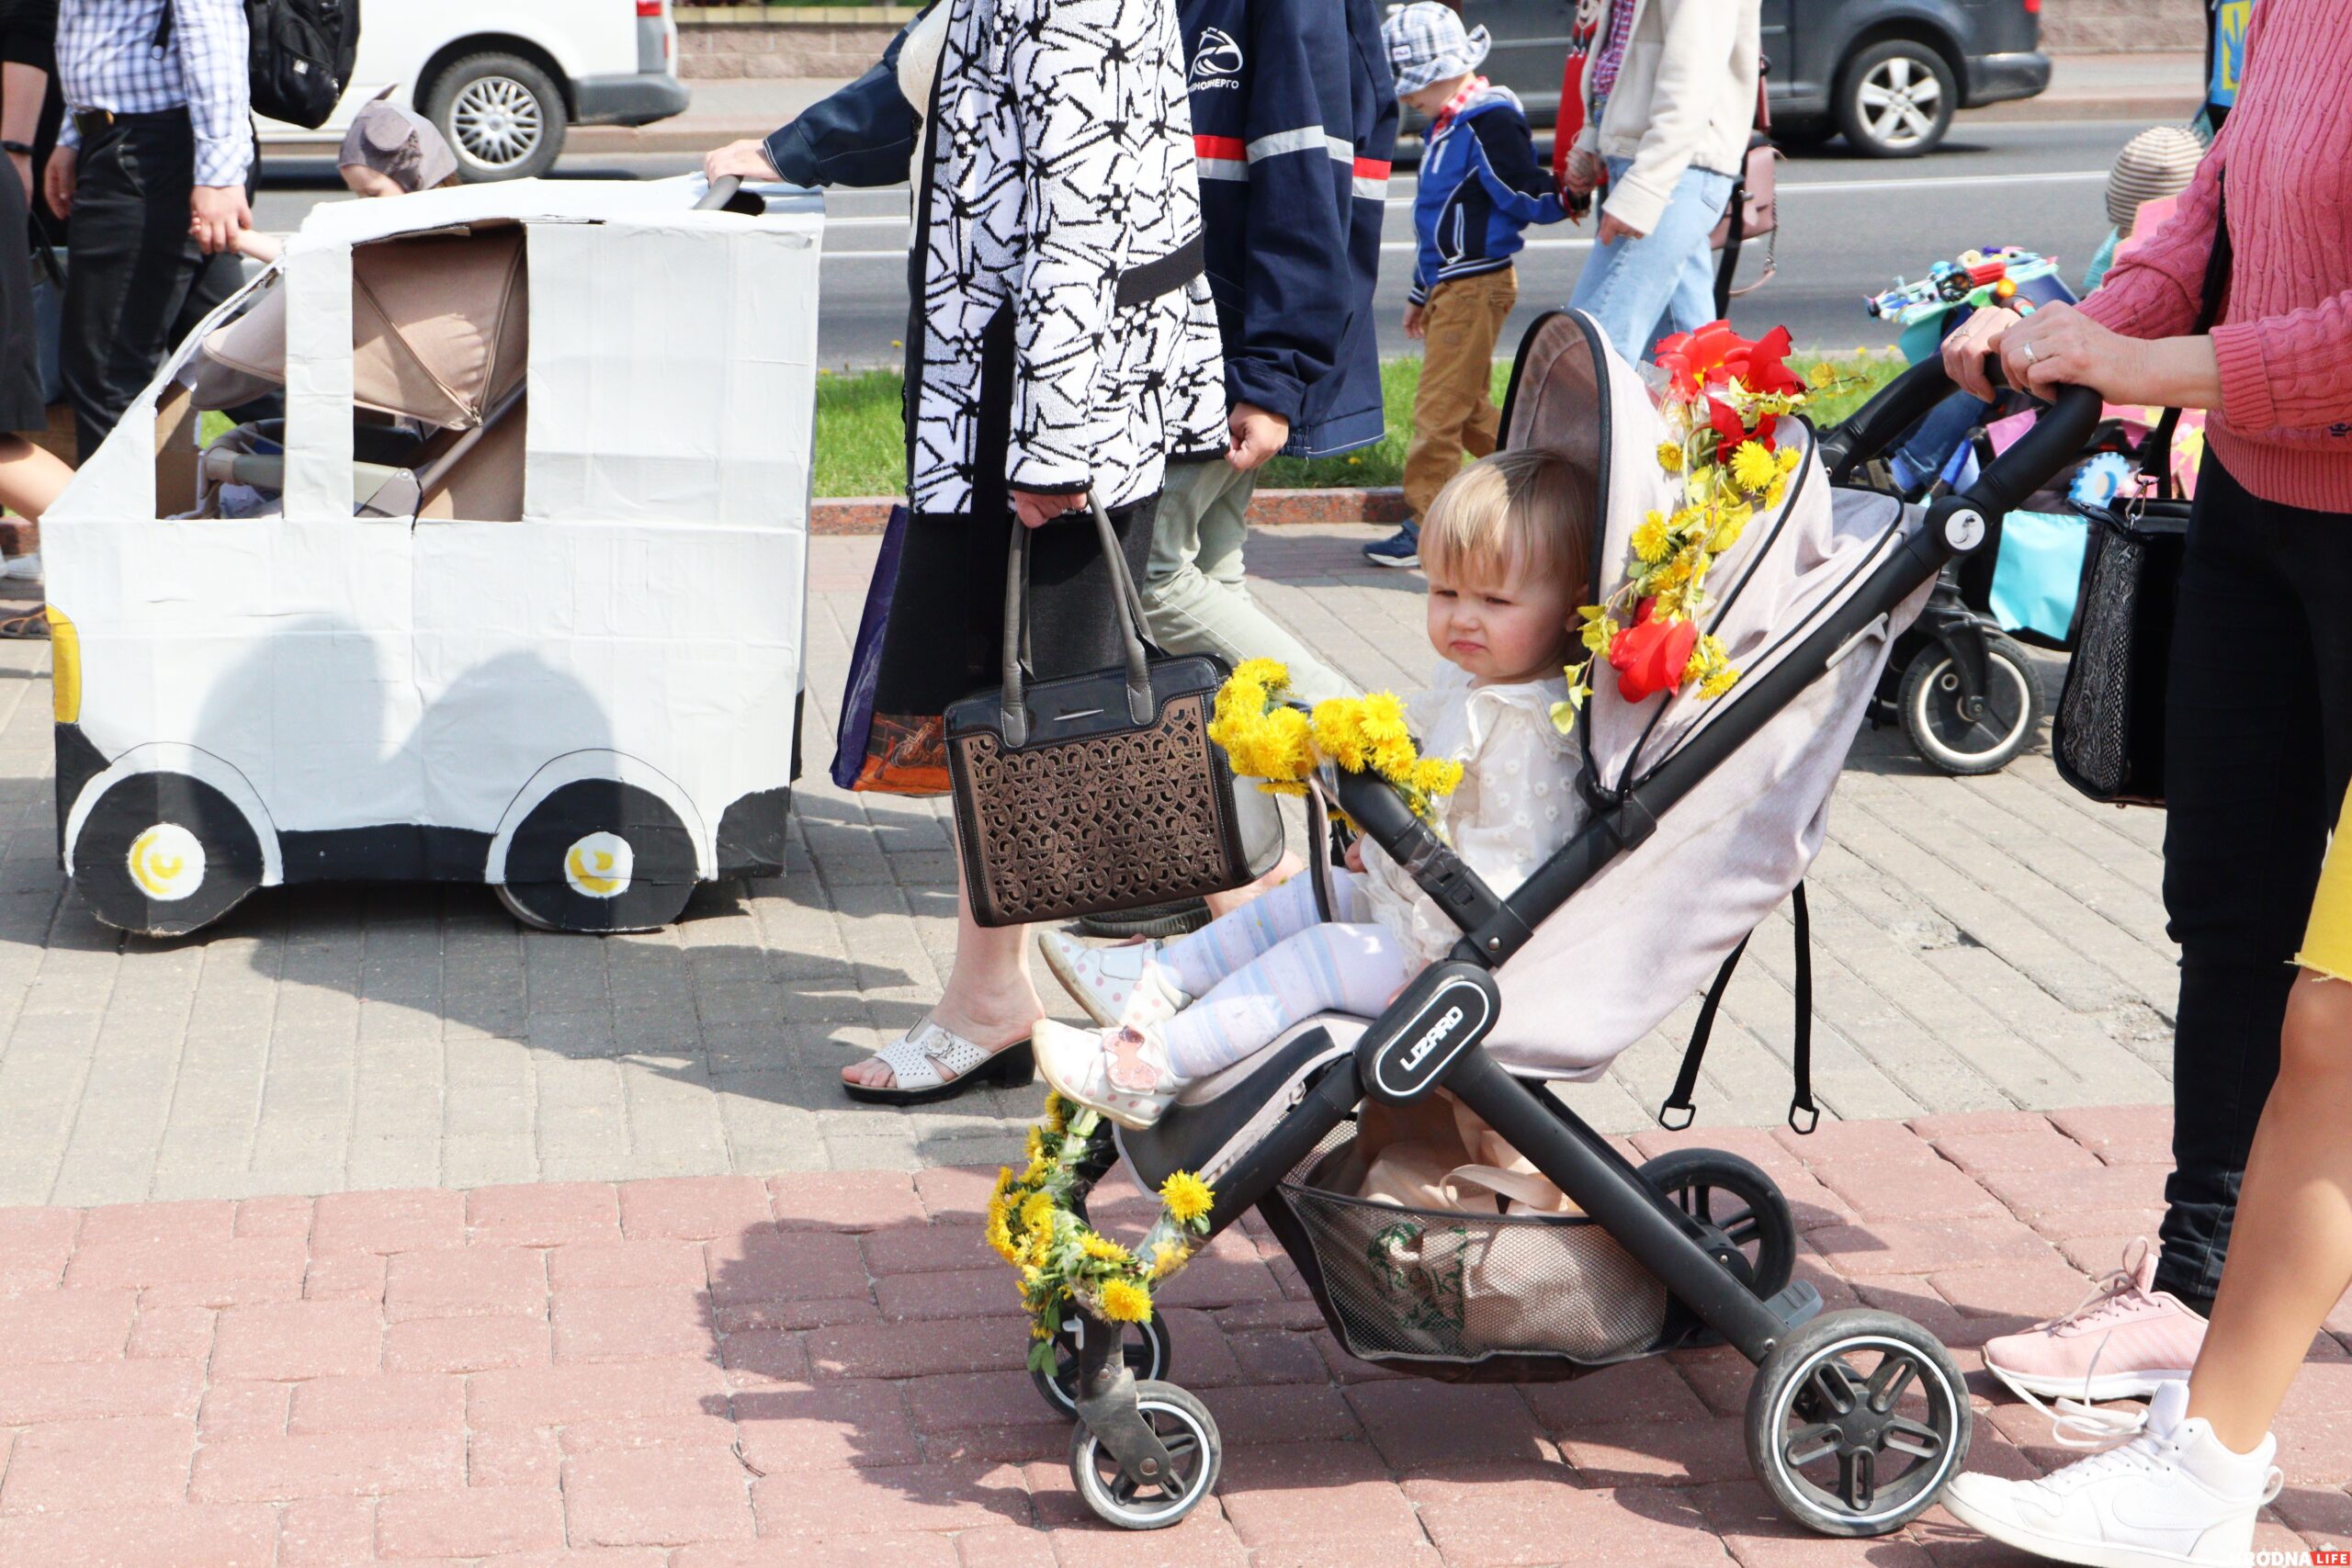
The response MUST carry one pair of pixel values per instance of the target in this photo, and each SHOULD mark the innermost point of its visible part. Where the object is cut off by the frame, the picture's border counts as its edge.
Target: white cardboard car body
(592, 708)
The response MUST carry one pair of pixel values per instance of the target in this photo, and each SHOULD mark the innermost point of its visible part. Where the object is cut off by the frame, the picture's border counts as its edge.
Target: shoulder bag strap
(1127, 605)
(2155, 452)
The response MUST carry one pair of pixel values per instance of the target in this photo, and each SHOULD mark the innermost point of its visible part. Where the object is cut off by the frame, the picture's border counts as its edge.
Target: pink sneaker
(2123, 1340)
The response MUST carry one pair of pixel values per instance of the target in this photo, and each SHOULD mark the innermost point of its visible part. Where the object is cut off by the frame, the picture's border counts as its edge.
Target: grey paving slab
(1982, 945)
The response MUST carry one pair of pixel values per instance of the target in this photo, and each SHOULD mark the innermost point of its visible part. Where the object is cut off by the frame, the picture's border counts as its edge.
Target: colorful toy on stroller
(1704, 815)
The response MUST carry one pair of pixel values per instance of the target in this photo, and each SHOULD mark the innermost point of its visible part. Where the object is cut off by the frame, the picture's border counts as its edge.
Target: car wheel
(1803, 135)
(500, 114)
(165, 854)
(1895, 99)
(599, 855)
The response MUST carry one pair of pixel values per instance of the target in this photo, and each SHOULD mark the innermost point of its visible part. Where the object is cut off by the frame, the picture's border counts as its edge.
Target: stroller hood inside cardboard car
(440, 330)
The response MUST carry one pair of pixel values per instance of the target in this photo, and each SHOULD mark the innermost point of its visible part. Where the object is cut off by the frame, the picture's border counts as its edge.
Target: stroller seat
(1704, 815)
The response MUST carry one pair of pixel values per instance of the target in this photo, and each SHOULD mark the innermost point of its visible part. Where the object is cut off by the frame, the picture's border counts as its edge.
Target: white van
(505, 79)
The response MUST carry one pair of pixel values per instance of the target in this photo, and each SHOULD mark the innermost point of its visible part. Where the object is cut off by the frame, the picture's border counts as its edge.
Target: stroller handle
(722, 191)
(2056, 438)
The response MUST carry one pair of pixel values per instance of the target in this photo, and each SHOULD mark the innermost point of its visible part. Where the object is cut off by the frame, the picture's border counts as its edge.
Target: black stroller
(1855, 1418)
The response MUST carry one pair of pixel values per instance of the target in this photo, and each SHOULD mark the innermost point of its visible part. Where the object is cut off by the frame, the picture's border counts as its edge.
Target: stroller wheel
(1736, 1198)
(1147, 1356)
(1950, 741)
(1856, 1421)
(1186, 1428)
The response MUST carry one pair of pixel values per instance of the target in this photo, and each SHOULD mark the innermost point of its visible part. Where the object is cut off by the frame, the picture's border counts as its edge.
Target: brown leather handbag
(1099, 791)
(1752, 213)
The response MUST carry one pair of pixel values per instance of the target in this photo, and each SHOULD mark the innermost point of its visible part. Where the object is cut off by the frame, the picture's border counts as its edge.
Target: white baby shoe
(1125, 985)
(1122, 1073)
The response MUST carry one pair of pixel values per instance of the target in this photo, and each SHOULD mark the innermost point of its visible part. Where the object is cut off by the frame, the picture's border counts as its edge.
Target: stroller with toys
(1704, 815)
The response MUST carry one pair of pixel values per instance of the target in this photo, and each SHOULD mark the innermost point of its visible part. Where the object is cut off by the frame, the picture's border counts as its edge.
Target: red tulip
(1649, 655)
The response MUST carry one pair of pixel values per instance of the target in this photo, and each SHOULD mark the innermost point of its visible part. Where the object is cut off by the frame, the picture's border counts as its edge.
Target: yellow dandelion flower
(1003, 1181)
(1036, 1172)
(1824, 374)
(1789, 458)
(1124, 1301)
(1651, 540)
(1056, 1113)
(1103, 1247)
(999, 1234)
(1037, 1212)
(1036, 1250)
(1039, 1331)
(1670, 457)
(1271, 675)
(1753, 466)
(1772, 497)
(1165, 1258)
(1716, 685)
(1695, 667)
(1187, 1196)
(1435, 775)
(1035, 1142)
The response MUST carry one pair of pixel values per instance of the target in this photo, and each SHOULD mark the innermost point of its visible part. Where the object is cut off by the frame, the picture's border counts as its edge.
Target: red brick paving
(826, 1368)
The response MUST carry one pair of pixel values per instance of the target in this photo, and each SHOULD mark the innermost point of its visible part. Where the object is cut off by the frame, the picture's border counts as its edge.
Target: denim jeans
(2258, 750)
(1663, 282)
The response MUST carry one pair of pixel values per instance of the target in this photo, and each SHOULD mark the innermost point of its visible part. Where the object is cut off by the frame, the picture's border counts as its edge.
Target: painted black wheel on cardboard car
(165, 854)
(599, 855)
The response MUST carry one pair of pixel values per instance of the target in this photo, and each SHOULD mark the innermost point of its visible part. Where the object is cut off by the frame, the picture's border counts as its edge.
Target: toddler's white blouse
(1516, 806)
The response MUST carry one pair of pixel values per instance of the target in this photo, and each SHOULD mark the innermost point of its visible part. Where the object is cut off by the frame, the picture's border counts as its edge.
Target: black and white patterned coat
(1060, 178)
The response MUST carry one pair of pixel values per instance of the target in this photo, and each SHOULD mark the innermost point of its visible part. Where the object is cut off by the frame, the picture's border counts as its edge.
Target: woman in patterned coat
(1063, 341)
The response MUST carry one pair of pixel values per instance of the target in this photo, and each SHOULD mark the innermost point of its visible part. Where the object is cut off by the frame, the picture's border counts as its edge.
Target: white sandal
(1079, 1062)
(1120, 986)
(929, 1062)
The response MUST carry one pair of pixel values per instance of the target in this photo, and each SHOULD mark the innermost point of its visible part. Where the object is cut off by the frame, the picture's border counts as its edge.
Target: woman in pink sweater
(2259, 748)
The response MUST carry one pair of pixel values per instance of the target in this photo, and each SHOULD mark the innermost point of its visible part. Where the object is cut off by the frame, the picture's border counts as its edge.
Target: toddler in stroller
(1507, 547)
(1702, 804)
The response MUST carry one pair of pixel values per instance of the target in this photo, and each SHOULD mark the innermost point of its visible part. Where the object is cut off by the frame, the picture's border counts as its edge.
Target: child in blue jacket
(1480, 184)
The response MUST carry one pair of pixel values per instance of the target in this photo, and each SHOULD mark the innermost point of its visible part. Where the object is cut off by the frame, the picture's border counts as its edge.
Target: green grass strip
(861, 446)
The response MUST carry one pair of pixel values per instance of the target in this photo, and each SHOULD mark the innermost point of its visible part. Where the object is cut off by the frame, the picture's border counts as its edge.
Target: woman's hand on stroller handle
(1970, 350)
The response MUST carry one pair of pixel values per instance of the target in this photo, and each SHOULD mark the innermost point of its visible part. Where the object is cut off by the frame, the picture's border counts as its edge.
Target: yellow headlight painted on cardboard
(65, 667)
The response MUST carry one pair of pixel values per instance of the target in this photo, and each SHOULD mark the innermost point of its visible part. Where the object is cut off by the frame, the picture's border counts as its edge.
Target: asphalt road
(1849, 227)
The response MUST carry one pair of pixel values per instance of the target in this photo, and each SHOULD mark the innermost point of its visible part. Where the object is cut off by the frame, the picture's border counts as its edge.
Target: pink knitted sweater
(2284, 429)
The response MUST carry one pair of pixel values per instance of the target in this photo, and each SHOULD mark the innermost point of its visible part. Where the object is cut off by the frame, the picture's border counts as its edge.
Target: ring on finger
(2028, 354)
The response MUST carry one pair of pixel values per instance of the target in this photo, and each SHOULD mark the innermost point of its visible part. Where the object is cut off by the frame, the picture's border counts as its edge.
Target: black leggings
(2258, 752)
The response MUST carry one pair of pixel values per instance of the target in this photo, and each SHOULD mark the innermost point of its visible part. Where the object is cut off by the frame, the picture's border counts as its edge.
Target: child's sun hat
(1426, 43)
(2158, 163)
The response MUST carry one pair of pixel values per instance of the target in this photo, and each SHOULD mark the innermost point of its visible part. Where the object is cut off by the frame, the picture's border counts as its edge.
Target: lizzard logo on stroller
(1430, 1042)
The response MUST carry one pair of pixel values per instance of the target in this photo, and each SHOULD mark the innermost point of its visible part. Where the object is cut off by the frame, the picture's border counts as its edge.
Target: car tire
(1895, 99)
(598, 855)
(1803, 135)
(503, 116)
(165, 854)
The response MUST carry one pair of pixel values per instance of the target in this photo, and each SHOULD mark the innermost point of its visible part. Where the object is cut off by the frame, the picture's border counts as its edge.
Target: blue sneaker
(1402, 548)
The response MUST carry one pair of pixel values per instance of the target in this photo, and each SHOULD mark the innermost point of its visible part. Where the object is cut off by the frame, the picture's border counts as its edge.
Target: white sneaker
(2172, 1495)
(24, 568)
(1120, 985)
(1122, 1073)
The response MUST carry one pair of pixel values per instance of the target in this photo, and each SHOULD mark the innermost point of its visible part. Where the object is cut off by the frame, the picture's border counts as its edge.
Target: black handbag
(2107, 737)
(1099, 791)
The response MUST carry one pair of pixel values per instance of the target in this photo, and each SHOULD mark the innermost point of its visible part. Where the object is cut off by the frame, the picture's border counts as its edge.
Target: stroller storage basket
(1430, 1285)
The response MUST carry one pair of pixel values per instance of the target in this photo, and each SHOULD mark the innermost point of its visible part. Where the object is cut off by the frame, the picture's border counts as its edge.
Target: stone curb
(1268, 509)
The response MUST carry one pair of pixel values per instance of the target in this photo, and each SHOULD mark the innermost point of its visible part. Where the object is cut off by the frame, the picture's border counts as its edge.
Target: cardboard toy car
(514, 594)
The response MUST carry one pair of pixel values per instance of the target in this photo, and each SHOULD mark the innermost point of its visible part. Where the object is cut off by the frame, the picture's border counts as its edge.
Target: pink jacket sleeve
(2154, 291)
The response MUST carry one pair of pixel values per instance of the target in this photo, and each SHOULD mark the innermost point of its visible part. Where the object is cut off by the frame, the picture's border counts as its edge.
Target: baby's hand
(1355, 856)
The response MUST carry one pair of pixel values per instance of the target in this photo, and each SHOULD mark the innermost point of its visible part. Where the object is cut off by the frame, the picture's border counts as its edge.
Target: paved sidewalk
(1983, 945)
(825, 1369)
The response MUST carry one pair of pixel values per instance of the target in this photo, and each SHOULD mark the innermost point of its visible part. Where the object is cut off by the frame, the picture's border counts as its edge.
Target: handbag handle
(1126, 606)
(2155, 452)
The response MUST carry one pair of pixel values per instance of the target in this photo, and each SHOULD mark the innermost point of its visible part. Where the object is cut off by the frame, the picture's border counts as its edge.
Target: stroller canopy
(440, 330)
(1611, 963)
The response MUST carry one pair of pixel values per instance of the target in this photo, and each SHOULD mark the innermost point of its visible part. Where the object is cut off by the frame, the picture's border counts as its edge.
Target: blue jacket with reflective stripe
(1480, 186)
(1294, 121)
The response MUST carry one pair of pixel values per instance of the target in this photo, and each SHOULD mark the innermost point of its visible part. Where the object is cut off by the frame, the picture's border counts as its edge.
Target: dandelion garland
(1725, 396)
(1032, 1225)
(1281, 743)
